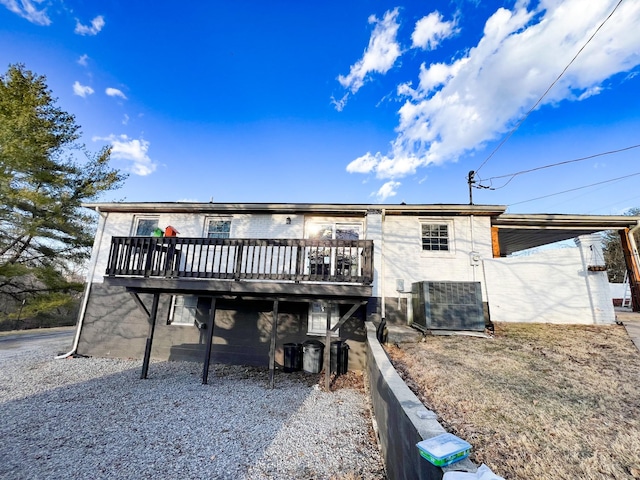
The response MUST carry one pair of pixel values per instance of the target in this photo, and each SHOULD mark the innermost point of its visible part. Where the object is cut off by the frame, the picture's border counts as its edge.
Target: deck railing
(349, 261)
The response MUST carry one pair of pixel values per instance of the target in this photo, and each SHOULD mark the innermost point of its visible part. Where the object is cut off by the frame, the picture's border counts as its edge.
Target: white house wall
(405, 260)
(552, 286)
(194, 225)
(401, 250)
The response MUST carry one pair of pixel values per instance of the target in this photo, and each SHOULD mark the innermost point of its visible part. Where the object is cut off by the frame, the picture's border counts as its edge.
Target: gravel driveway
(94, 418)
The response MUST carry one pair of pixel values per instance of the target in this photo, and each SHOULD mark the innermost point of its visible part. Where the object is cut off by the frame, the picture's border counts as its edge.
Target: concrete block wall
(115, 327)
(552, 286)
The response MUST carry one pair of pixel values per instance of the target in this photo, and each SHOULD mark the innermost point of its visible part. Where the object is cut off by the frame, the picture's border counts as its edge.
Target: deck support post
(152, 327)
(327, 350)
(272, 346)
(633, 269)
(347, 315)
(207, 355)
(138, 302)
(495, 242)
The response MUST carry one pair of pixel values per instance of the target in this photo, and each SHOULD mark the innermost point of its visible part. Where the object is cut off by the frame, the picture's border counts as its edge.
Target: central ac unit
(447, 306)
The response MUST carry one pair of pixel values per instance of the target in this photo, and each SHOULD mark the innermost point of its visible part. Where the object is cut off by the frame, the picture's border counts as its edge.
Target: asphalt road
(18, 343)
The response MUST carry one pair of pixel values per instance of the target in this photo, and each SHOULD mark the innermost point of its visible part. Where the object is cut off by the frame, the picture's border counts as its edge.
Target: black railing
(349, 261)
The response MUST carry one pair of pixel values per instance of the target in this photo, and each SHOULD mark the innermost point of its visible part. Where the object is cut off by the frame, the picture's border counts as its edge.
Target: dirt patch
(535, 401)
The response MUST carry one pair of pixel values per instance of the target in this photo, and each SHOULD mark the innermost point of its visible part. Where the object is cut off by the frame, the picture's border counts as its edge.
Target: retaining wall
(396, 410)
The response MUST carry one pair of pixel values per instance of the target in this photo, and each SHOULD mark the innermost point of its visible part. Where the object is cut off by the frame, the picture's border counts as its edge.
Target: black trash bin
(292, 357)
(339, 357)
(343, 358)
(312, 356)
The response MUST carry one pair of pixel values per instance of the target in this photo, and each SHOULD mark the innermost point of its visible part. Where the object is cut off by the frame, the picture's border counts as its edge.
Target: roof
(290, 208)
(515, 231)
(521, 231)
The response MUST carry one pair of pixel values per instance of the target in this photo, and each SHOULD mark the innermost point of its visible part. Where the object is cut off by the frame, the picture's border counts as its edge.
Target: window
(317, 324)
(183, 310)
(341, 261)
(144, 227)
(435, 237)
(217, 228)
(331, 231)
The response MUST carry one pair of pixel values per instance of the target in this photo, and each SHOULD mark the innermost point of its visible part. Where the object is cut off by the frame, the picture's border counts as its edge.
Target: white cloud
(93, 29)
(82, 90)
(114, 92)
(380, 54)
(83, 60)
(131, 150)
(26, 9)
(339, 104)
(364, 164)
(431, 30)
(389, 189)
(459, 106)
(125, 119)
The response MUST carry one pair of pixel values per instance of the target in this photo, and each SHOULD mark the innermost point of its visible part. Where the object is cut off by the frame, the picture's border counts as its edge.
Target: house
(266, 275)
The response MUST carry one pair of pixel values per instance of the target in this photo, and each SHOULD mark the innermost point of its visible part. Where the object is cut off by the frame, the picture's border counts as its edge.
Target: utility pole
(471, 181)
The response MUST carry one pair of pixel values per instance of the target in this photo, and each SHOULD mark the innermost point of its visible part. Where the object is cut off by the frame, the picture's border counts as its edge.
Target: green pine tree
(45, 175)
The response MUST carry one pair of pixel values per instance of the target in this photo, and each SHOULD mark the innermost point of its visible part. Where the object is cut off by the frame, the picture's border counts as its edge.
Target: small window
(435, 237)
(183, 310)
(219, 229)
(144, 227)
(317, 324)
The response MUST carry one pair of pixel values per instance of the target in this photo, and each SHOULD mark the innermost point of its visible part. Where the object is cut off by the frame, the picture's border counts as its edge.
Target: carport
(515, 232)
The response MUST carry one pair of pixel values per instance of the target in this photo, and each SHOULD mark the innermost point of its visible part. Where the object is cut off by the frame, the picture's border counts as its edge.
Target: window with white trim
(144, 226)
(218, 228)
(183, 310)
(317, 324)
(435, 237)
(341, 262)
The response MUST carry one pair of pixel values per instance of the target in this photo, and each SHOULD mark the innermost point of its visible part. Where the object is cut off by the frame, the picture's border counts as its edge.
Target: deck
(233, 265)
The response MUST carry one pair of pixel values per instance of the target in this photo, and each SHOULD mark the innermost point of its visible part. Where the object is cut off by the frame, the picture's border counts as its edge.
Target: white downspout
(87, 288)
(473, 250)
(382, 278)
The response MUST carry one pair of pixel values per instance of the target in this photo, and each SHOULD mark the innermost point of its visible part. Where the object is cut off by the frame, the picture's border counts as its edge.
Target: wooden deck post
(152, 326)
(495, 242)
(272, 346)
(633, 269)
(207, 355)
(327, 350)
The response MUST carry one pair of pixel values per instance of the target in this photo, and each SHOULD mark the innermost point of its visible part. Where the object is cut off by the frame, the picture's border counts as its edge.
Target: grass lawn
(535, 401)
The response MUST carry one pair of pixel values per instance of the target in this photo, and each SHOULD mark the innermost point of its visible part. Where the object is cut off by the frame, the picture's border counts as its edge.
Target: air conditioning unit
(447, 306)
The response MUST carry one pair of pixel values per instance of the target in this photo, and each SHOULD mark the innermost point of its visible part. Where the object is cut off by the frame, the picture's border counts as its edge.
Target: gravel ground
(94, 418)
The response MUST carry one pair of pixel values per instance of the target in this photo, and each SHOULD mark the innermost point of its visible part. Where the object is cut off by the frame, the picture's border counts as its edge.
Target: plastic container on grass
(444, 449)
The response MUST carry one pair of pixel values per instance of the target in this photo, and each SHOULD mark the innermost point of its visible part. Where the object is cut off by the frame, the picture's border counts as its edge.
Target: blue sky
(348, 102)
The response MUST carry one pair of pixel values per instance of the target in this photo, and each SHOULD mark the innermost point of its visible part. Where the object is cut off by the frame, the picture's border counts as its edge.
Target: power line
(521, 121)
(624, 200)
(513, 175)
(588, 192)
(577, 188)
